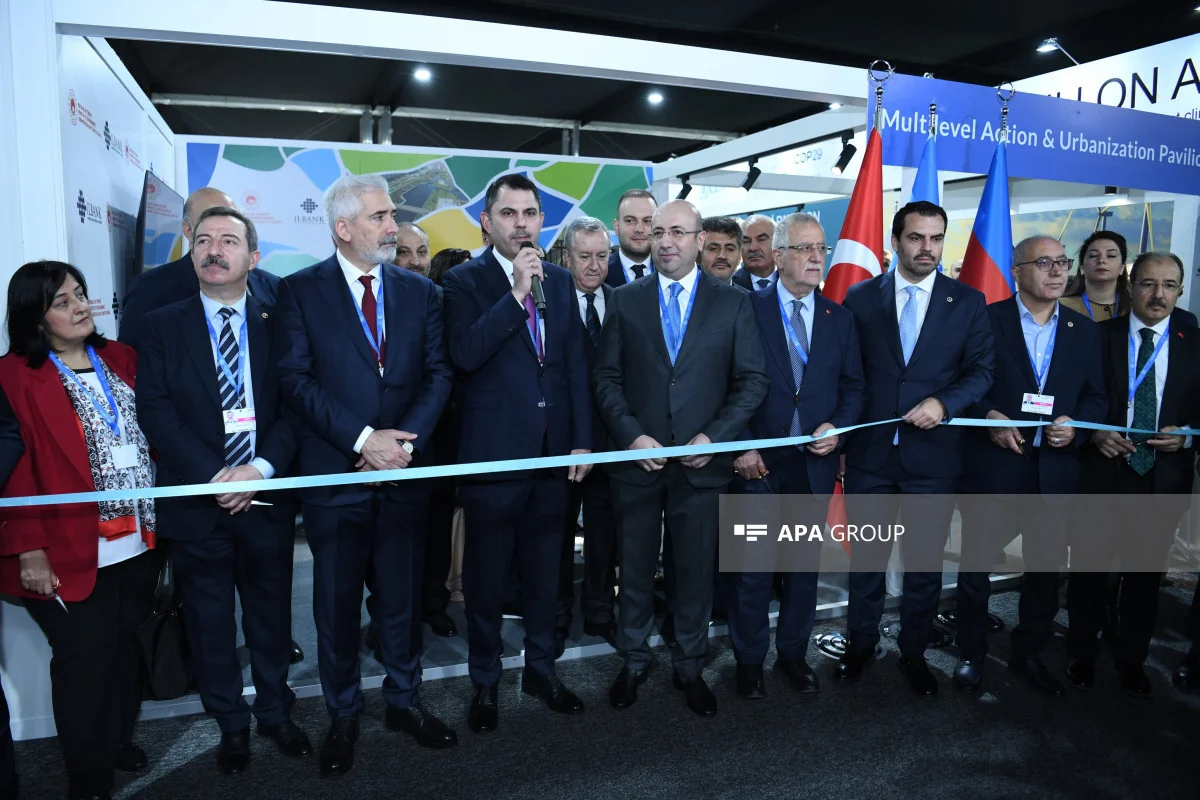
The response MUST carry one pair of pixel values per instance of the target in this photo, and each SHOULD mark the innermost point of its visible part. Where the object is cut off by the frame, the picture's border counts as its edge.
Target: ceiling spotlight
(848, 151)
(834, 106)
(1110, 191)
(752, 175)
(422, 74)
(654, 98)
(1051, 44)
(686, 190)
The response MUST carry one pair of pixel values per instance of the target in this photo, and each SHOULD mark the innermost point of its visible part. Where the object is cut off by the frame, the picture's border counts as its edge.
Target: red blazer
(55, 462)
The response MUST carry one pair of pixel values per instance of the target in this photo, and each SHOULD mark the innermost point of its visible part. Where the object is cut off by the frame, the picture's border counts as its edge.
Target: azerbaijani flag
(987, 266)
(859, 251)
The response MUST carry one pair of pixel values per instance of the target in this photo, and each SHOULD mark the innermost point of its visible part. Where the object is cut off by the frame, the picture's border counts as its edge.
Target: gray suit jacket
(714, 387)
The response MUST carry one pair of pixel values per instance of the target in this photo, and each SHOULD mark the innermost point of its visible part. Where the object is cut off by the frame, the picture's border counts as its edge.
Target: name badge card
(1037, 403)
(125, 456)
(239, 420)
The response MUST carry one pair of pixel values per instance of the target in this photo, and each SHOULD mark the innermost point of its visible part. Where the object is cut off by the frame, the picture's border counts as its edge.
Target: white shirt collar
(1136, 325)
(786, 297)
(505, 264)
(213, 307)
(688, 282)
(628, 262)
(1023, 312)
(353, 273)
(925, 284)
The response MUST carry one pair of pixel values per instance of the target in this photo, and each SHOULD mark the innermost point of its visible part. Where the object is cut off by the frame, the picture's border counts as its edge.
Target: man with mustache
(1152, 370)
(758, 258)
(927, 356)
(412, 248)
(363, 366)
(722, 249)
(632, 259)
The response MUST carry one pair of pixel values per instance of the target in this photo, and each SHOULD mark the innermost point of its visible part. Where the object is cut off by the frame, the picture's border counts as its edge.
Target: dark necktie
(763, 283)
(639, 270)
(1145, 404)
(369, 310)
(592, 318)
(237, 445)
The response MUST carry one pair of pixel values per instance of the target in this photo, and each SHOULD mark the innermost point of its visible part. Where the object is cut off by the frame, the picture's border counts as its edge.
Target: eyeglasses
(1170, 287)
(658, 234)
(804, 248)
(1044, 264)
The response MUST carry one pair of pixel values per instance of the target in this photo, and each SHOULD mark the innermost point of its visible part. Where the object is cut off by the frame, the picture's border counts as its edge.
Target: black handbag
(166, 667)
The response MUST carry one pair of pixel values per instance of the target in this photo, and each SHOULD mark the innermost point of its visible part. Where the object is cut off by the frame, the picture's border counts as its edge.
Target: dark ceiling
(984, 43)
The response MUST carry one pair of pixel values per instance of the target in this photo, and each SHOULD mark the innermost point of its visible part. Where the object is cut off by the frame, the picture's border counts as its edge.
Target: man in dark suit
(927, 356)
(815, 366)
(635, 210)
(201, 360)
(363, 365)
(170, 283)
(11, 449)
(722, 251)
(1047, 361)
(758, 259)
(1158, 391)
(524, 388)
(586, 241)
(679, 363)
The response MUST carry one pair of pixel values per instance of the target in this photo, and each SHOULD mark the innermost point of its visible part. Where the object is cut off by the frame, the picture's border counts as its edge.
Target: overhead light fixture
(752, 175)
(686, 190)
(1110, 191)
(422, 74)
(834, 106)
(654, 98)
(1051, 44)
(848, 151)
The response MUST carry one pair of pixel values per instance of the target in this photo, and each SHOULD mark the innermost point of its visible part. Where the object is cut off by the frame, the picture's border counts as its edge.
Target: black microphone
(539, 296)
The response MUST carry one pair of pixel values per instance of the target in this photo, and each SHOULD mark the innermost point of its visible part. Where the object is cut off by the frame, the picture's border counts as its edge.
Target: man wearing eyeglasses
(1047, 368)
(1152, 370)
(679, 363)
(815, 367)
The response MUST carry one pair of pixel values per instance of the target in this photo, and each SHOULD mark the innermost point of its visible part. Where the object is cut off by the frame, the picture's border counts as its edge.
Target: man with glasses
(1152, 371)
(679, 363)
(1047, 368)
(808, 395)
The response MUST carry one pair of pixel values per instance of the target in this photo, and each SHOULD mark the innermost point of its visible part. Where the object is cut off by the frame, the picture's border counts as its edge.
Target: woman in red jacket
(86, 571)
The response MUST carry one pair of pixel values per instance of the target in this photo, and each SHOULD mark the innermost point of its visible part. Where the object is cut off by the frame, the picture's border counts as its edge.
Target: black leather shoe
(337, 753)
(1135, 681)
(1038, 676)
(288, 737)
(920, 679)
(483, 716)
(551, 691)
(699, 697)
(297, 654)
(1187, 674)
(750, 683)
(428, 730)
(968, 675)
(851, 665)
(799, 674)
(605, 630)
(131, 758)
(233, 754)
(1081, 674)
(668, 631)
(623, 692)
(441, 624)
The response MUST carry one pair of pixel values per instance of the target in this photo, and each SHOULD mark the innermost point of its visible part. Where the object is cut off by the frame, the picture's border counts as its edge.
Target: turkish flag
(859, 252)
(837, 514)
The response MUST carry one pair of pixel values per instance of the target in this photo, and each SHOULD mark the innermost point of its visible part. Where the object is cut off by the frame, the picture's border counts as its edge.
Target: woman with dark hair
(86, 572)
(1101, 289)
(444, 260)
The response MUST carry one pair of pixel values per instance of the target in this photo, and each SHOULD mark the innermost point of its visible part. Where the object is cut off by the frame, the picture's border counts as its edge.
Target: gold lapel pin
(264, 315)
(1070, 324)
(949, 299)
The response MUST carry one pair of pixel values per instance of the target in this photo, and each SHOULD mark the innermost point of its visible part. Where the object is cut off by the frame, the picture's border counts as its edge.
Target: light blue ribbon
(515, 465)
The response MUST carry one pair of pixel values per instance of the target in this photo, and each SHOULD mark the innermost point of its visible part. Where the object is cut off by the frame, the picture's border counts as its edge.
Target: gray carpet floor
(870, 740)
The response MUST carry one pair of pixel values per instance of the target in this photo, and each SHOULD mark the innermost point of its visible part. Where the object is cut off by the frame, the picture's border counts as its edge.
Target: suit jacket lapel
(935, 317)
(1168, 412)
(704, 299)
(1014, 335)
(1119, 355)
(54, 404)
(393, 300)
(341, 302)
(818, 338)
(772, 327)
(258, 331)
(891, 324)
(647, 304)
(496, 282)
(194, 331)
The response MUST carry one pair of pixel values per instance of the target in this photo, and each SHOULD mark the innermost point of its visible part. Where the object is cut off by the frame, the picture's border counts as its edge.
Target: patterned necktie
(1145, 404)
(369, 311)
(592, 318)
(674, 322)
(797, 361)
(237, 445)
(639, 270)
(908, 323)
(531, 322)
(763, 283)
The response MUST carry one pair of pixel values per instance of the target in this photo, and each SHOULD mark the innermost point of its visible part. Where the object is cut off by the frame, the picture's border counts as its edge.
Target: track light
(752, 175)
(686, 190)
(1051, 44)
(1110, 191)
(848, 151)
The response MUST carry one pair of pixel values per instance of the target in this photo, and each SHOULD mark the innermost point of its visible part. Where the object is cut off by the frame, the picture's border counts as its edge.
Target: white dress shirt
(627, 265)
(754, 279)
(688, 282)
(212, 310)
(581, 296)
(1160, 362)
(806, 309)
(512, 281)
(923, 295)
(358, 291)
(1037, 339)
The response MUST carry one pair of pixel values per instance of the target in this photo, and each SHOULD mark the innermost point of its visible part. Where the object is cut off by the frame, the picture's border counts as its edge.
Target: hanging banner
(1049, 138)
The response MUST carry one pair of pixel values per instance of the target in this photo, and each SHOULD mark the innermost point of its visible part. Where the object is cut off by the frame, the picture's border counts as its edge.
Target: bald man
(176, 281)
(412, 248)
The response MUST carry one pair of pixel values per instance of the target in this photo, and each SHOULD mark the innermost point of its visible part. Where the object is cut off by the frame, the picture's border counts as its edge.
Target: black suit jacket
(952, 361)
(1075, 379)
(745, 278)
(600, 439)
(714, 387)
(1181, 316)
(172, 283)
(616, 272)
(179, 410)
(833, 387)
(11, 444)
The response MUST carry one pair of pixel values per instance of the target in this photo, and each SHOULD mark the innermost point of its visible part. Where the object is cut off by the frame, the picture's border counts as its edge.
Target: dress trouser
(435, 596)
(252, 554)
(594, 497)
(988, 526)
(94, 668)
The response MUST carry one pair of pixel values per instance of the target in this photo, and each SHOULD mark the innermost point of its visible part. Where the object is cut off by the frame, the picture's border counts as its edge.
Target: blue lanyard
(376, 344)
(674, 346)
(111, 418)
(791, 331)
(1040, 372)
(1136, 381)
(1088, 305)
(238, 380)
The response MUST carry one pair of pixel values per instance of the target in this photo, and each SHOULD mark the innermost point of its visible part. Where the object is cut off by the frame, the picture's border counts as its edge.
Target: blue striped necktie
(237, 445)
(797, 361)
